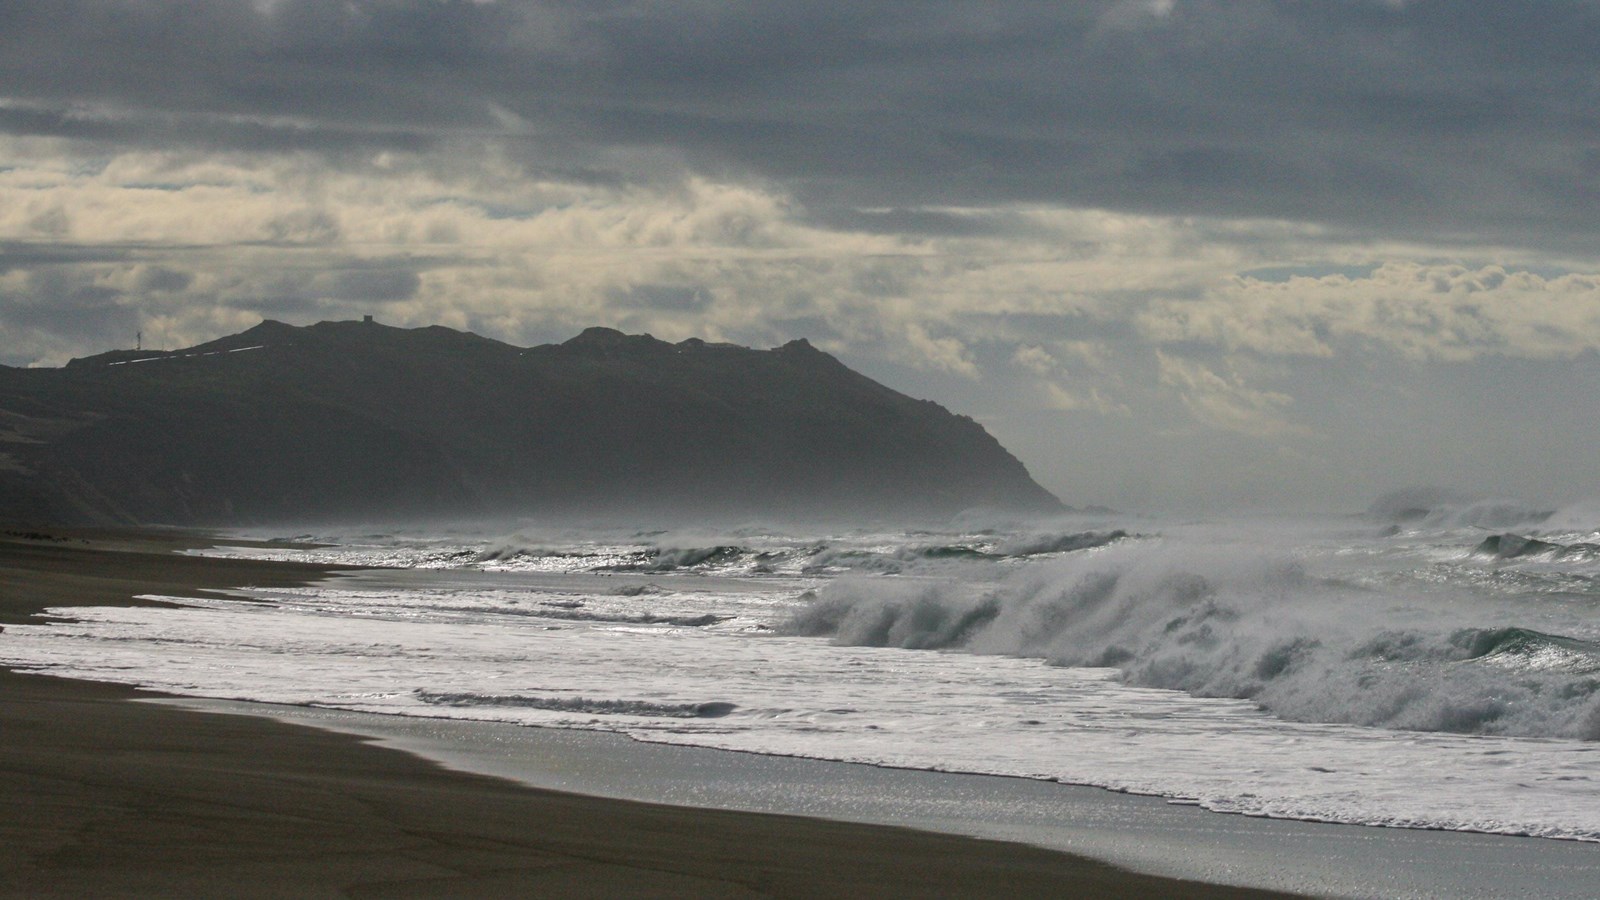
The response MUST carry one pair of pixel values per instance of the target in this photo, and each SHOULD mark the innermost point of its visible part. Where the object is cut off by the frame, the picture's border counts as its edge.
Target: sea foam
(1239, 621)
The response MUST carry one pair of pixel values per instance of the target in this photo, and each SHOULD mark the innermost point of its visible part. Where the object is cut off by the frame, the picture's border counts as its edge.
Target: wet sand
(100, 796)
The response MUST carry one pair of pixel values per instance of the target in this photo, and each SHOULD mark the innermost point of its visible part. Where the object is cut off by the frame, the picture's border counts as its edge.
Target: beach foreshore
(102, 796)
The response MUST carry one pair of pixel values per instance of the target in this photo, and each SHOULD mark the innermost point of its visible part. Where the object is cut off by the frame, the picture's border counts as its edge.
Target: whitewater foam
(1240, 621)
(586, 705)
(1311, 671)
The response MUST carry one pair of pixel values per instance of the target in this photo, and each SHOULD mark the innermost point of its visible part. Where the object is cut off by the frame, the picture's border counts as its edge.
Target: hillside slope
(356, 420)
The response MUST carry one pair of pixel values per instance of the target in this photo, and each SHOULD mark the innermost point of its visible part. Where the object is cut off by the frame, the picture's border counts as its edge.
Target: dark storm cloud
(155, 130)
(331, 63)
(24, 255)
(372, 285)
(336, 285)
(928, 222)
(160, 279)
(676, 297)
(66, 302)
(1439, 116)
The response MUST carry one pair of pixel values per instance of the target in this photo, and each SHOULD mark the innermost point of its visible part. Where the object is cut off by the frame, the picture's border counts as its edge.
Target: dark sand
(104, 797)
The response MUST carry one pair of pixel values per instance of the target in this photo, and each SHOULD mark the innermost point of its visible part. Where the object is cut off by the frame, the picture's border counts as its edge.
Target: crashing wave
(829, 559)
(667, 559)
(1515, 546)
(1524, 648)
(700, 621)
(1038, 545)
(1434, 509)
(584, 705)
(1217, 623)
(572, 611)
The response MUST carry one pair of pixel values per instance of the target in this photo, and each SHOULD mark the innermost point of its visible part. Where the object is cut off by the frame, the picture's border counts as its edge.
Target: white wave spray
(1220, 620)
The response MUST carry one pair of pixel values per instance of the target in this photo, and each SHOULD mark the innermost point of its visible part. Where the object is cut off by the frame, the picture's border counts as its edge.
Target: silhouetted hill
(356, 420)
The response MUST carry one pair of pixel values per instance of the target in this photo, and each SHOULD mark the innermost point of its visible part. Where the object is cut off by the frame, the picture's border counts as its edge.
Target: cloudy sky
(1170, 252)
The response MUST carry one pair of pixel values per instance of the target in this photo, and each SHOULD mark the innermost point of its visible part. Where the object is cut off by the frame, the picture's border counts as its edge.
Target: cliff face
(355, 420)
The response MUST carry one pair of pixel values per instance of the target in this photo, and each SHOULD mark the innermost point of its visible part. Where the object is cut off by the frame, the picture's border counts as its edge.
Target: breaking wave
(1038, 545)
(825, 558)
(1218, 621)
(1434, 509)
(573, 611)
(1516, 546)
(667, 559)
(699, 621)
(604, 558)
(583, 705)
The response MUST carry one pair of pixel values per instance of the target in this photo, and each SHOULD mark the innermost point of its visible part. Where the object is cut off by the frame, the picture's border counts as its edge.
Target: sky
(1172, 253)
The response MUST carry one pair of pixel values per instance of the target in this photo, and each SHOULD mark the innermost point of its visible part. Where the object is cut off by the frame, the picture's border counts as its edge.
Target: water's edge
(1146, 834)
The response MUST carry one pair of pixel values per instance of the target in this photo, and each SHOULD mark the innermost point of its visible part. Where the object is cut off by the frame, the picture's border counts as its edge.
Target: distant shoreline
(102, 795)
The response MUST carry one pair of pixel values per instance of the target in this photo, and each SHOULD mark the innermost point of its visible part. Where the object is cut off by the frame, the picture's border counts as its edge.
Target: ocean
(1430, 666)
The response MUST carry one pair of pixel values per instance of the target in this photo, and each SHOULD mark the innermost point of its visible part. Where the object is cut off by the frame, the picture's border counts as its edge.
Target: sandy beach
(106, 797)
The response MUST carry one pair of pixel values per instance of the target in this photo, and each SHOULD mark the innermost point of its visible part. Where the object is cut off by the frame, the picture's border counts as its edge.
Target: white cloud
(1074, 381)
(1416, 310)
(498, 249)
(494, 245)
(1135, 14)
(1035, 359)
(1225, 402)
(946, 353)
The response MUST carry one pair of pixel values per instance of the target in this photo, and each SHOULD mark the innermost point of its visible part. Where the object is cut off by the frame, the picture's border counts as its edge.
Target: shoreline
(1141, 833)
(103, 795)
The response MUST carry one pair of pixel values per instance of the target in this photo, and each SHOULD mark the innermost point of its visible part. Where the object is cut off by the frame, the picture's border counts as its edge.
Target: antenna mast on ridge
(138, 341)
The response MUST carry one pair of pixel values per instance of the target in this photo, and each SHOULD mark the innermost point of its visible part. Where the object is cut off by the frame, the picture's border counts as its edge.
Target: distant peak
(269, 332)
(352, 326)
(270, 326)
(609, 342)
(802, 352)
(694, 343)
(599, 335)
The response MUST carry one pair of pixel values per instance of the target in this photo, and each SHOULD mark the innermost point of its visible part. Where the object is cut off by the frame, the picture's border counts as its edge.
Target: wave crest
(1435, 509)
(1037, 545)
(1217, 622)
(1516, 546)
(585, 705)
